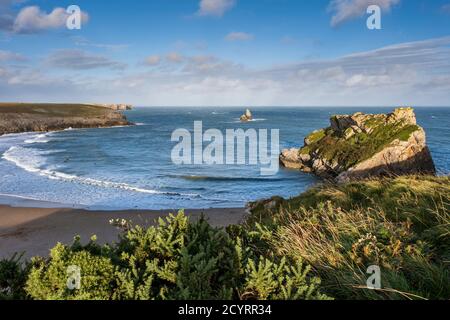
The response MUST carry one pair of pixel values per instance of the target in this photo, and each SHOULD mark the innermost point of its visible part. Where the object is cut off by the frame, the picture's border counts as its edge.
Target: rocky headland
(28, 117)
(361, 145)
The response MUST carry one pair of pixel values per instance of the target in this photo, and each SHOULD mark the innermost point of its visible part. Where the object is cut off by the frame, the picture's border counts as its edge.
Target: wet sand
(35, 231)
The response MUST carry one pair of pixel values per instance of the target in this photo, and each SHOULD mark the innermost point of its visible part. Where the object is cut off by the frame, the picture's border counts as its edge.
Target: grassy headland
(25, 117)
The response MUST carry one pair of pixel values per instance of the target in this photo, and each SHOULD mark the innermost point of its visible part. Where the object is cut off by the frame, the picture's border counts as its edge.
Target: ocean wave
(13, 135)
(32, 160)
(39, 138)
(222, 178)
(253, 120)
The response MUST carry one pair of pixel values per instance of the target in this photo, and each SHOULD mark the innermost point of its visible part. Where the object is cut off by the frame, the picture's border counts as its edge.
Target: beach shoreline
(33, 231)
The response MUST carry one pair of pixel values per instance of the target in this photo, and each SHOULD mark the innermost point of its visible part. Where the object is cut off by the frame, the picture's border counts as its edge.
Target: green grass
(401, 224)
(361, 146)
(53, 110)
(316, 136)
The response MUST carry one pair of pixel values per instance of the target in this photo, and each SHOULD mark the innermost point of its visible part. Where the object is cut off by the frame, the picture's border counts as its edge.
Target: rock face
(117, 107)
(16, 118)
(360, 146)
(247, 116)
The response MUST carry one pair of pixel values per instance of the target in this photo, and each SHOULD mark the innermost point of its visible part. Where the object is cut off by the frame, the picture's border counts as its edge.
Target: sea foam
(38, 138)
(32, 160)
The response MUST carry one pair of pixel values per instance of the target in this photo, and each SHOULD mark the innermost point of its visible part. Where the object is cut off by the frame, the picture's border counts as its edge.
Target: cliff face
(359, 146)
(16, 118)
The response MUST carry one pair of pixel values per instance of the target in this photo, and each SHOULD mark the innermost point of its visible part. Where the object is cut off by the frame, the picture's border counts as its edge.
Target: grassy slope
(25, 117)
(53, 110)
(402, 225)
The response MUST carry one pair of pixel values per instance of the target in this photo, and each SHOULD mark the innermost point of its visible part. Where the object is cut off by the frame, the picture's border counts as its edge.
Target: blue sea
(131, 168)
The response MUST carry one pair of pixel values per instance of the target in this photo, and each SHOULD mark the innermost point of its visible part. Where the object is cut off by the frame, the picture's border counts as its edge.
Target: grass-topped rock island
(360, 145)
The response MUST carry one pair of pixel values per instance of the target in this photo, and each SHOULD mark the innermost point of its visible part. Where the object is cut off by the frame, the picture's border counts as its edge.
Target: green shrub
(266, 280)
(175, 259)
(209, 266)
(13, 275)
(48, 279)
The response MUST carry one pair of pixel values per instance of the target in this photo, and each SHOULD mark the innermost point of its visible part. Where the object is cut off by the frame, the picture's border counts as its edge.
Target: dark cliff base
(27, 117)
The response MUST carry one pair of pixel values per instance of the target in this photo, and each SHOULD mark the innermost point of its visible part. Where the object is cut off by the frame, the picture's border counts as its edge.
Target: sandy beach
(36, 230)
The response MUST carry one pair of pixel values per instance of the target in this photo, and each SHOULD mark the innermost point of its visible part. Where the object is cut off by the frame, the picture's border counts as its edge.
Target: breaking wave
(32, 160)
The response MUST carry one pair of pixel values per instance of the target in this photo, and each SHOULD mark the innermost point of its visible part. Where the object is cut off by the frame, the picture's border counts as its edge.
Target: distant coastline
(44, 117)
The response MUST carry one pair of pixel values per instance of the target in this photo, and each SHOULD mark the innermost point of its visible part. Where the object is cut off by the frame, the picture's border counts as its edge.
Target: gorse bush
(13, 275)
(48, 279)
(176, 259)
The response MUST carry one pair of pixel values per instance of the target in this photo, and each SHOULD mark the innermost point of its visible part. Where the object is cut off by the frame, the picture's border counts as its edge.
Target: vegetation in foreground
(176, 259)
(314, 246)
(401, 224)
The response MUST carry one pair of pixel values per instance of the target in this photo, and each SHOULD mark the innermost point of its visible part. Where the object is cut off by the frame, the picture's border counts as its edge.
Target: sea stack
(361, 146)
(247, 116)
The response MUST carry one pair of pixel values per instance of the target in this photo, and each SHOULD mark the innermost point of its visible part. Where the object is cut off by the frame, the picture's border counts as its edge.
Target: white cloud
(215, 8)
(83, 42)
(239, 36)
(81, 60)
(11, 56)
(152, 60)
(446, 8)
(202, 65)
(174, 57)
(32, 20)
(414, 73)
(344, 10)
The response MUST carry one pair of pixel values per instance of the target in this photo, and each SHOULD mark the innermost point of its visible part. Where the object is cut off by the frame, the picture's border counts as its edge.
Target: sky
(226, 52)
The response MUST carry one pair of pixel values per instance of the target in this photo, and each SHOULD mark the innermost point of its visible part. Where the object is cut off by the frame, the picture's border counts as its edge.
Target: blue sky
(226, 52)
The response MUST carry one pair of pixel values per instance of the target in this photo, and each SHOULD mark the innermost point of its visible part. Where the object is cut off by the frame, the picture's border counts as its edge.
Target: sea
(132, 167)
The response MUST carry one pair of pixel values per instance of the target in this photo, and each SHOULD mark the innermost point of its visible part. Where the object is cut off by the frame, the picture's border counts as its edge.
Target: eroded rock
(363, 145)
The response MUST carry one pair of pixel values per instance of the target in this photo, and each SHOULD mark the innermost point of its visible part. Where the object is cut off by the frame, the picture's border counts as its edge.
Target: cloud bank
(414, 73)
(239, 36)
(216, 8)
(345, 10)
(81, 60)
(32, 19)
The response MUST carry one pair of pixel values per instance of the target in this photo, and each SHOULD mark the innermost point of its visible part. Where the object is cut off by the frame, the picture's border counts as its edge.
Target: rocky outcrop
(247, 116)
(16, 118)
(117, 107)
(359, 146)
